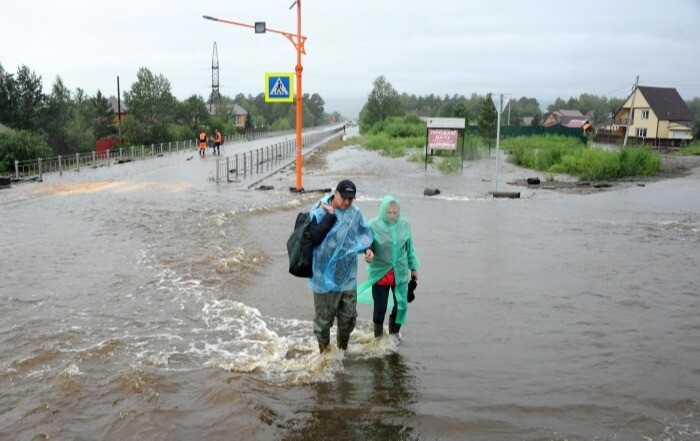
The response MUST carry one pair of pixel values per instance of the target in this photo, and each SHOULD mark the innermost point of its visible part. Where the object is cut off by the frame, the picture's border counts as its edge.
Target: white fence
(34, 168)
(268, 159)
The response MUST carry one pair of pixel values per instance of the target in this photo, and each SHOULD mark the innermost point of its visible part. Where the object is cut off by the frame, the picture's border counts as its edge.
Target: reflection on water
(369, 399)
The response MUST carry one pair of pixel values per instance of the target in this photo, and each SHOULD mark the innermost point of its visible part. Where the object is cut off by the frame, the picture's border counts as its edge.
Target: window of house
(641, 133)
(645, 114)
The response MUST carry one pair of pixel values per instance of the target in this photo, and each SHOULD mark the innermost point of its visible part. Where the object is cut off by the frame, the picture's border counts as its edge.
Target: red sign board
(441, 139)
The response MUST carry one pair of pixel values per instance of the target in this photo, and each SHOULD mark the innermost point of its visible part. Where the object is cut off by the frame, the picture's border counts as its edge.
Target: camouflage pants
(330, 305)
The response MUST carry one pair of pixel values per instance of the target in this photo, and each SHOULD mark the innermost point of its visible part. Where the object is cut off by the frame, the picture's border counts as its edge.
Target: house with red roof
(566, 118)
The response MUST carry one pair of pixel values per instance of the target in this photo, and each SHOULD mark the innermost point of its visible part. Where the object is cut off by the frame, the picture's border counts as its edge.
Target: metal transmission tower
(215, 95)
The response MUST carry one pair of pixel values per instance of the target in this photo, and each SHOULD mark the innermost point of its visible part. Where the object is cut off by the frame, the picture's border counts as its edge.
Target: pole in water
(498, 136)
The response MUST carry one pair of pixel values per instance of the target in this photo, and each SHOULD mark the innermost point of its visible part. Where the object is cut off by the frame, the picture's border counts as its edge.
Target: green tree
(259, 122)
(460, 111)
(315, 104)
(102, 116)
(78, 134)
(192, 113)
(152, 105)
(599, 108)
(59, 110)
(448, 108)
(528, 106)
(487, 119)
(694, 106)
(383, 101)
(21, 145)
(8, 98)
(536, 118)
(134, 131)
(281, 124)
(337, 117)
(557, 105)
(307, 116)
(21, 99)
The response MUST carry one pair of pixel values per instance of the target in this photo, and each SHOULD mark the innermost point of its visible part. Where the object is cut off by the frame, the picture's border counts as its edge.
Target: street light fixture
(298, 41)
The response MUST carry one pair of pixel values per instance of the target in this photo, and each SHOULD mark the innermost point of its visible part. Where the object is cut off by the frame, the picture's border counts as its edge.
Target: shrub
(449, 164)
(692, 149)
(420, 157)
(281, 124)
(180, 133)
(558, 154)
(474, 147)
(589, 164)
(392, 147)
(639, 161)
(399, 127)
(21, 145)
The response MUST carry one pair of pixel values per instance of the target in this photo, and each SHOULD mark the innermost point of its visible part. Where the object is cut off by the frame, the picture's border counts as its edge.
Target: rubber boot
(378, 330)
(322, 347)
(343, 343)
(393, 326)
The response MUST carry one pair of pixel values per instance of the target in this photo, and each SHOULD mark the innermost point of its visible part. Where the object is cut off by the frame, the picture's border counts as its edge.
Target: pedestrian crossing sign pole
(298, 41)
(279, 87)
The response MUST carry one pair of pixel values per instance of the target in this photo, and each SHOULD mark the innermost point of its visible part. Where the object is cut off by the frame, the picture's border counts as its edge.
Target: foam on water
(233, 336)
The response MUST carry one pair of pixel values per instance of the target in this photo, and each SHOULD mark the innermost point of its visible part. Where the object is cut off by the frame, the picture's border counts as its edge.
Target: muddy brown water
(146, 302)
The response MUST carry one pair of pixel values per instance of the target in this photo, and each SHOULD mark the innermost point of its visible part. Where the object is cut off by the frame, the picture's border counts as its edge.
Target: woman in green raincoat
(395, 264)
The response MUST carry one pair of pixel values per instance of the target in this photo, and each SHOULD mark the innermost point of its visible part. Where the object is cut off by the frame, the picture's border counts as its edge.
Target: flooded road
(144, 301)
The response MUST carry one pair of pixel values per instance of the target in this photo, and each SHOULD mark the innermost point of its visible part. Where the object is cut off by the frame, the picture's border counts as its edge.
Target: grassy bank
(559, 154)
(692, 149)
(396, 137)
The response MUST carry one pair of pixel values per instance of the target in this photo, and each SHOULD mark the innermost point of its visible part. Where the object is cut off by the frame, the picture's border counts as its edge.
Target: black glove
(411, 287)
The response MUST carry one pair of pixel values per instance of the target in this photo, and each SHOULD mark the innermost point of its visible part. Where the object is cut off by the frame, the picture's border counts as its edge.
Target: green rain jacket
(393, 248)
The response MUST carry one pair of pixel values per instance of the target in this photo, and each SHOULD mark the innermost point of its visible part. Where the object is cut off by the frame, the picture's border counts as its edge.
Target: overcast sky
(526, 48)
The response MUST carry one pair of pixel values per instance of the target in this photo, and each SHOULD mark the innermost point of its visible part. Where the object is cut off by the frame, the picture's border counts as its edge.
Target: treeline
(449, 106)
(64, 121)
(385, 101)
(599, 108)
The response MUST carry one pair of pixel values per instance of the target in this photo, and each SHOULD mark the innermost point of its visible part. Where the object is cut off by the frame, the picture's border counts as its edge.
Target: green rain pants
(334, 304)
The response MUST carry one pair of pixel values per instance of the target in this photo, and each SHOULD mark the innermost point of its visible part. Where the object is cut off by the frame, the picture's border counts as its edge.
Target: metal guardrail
(58, 164)
(270, 158)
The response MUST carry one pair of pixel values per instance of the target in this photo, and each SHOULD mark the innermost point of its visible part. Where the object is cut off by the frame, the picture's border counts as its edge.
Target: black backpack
(300, 247)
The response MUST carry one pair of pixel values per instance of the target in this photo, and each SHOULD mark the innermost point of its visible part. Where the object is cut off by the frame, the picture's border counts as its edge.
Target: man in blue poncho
(339, 232)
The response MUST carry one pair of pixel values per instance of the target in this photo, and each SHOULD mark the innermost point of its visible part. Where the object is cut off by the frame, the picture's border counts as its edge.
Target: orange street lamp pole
(298, 41)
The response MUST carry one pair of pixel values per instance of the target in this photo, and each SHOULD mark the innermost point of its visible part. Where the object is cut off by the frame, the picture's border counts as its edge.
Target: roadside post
(297, 41)
(443, 134)
(499, 105)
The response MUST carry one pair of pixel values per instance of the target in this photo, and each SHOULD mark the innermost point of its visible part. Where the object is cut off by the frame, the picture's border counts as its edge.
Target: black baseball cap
(347, 189)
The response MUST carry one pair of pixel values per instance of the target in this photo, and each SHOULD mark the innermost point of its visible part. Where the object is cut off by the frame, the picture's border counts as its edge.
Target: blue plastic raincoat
(335, 259)
(393, 248)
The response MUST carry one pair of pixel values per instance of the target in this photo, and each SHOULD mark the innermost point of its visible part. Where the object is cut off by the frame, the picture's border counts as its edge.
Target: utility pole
(215, 95)
(119, 110)
(630, 117)
(297, 41)
(509, 104)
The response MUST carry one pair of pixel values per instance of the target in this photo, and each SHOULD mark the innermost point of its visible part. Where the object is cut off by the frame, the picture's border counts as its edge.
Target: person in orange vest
(202, 143)
(218, 139)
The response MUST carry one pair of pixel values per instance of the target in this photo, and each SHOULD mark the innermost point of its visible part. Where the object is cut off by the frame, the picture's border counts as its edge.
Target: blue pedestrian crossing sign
(279, 87)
